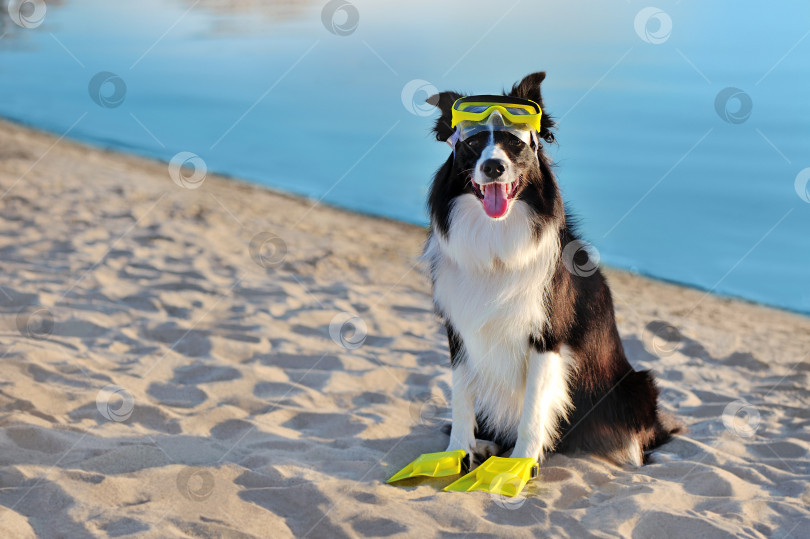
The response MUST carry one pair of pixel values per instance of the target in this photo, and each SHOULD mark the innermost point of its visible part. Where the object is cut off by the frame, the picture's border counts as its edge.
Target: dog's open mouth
(495, 196)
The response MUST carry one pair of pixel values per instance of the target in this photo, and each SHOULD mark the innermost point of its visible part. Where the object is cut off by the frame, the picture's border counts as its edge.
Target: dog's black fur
(612, 401)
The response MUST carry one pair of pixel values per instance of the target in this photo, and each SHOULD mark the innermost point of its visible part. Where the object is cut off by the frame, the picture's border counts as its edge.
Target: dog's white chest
(491, 282)
(497, 310)
(494, 314)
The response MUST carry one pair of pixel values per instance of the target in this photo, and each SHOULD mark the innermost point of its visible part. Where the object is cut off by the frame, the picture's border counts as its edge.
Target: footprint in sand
(325, 425)
(782, 450)
(275, 390)
(303, 361)
(10, 298)
(377, 527)
(124, 526)
(745, 360)
(660, 524)
(231, 428)
(189, 342)
(203, 374)
(177, 395)
(37, 439)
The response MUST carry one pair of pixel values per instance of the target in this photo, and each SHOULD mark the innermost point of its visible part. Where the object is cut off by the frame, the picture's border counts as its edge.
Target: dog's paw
(482, 450)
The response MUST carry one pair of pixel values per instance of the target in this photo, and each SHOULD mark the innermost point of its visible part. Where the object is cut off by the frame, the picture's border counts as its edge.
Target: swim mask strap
(453, 140)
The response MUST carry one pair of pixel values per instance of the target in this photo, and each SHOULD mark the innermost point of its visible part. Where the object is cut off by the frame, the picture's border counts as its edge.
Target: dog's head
(496, 166)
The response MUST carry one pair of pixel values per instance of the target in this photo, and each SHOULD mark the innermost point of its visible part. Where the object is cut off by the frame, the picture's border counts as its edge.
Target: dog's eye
(474, 143)
(515, 142)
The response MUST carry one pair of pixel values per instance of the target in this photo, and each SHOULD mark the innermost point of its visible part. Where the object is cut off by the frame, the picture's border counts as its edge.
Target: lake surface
(672, 175)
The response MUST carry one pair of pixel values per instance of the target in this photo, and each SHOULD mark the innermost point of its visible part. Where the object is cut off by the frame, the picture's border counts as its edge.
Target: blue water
(663, 184)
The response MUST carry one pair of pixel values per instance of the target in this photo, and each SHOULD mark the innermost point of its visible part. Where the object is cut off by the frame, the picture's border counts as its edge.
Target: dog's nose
(493, 168)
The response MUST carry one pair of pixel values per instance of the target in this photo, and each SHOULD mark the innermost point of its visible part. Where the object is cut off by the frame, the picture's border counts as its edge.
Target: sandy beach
(227, 361)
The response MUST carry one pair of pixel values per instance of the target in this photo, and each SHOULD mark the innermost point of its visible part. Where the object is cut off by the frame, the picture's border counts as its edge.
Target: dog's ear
(529, 88)
(444, 102)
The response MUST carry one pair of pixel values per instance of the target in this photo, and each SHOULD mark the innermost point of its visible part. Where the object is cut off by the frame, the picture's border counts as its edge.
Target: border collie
(538, 364)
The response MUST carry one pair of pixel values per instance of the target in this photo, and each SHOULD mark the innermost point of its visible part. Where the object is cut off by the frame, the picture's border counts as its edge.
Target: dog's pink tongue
(495, 201)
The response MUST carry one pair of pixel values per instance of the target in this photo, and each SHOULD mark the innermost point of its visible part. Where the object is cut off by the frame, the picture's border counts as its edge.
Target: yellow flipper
(498, 475)
(439, 464)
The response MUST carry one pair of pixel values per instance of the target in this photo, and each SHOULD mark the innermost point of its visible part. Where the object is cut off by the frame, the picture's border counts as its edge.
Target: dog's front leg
(462, 431)
(545, 401)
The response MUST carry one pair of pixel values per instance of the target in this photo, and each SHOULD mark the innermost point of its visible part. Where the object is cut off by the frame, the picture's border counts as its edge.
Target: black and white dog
(538, 365)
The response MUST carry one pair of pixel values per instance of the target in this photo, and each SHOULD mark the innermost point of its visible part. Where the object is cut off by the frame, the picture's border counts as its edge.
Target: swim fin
(498, 475)
(439, 464)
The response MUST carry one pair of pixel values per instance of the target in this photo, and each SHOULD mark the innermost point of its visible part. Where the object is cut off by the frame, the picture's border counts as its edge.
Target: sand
(174, 366)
